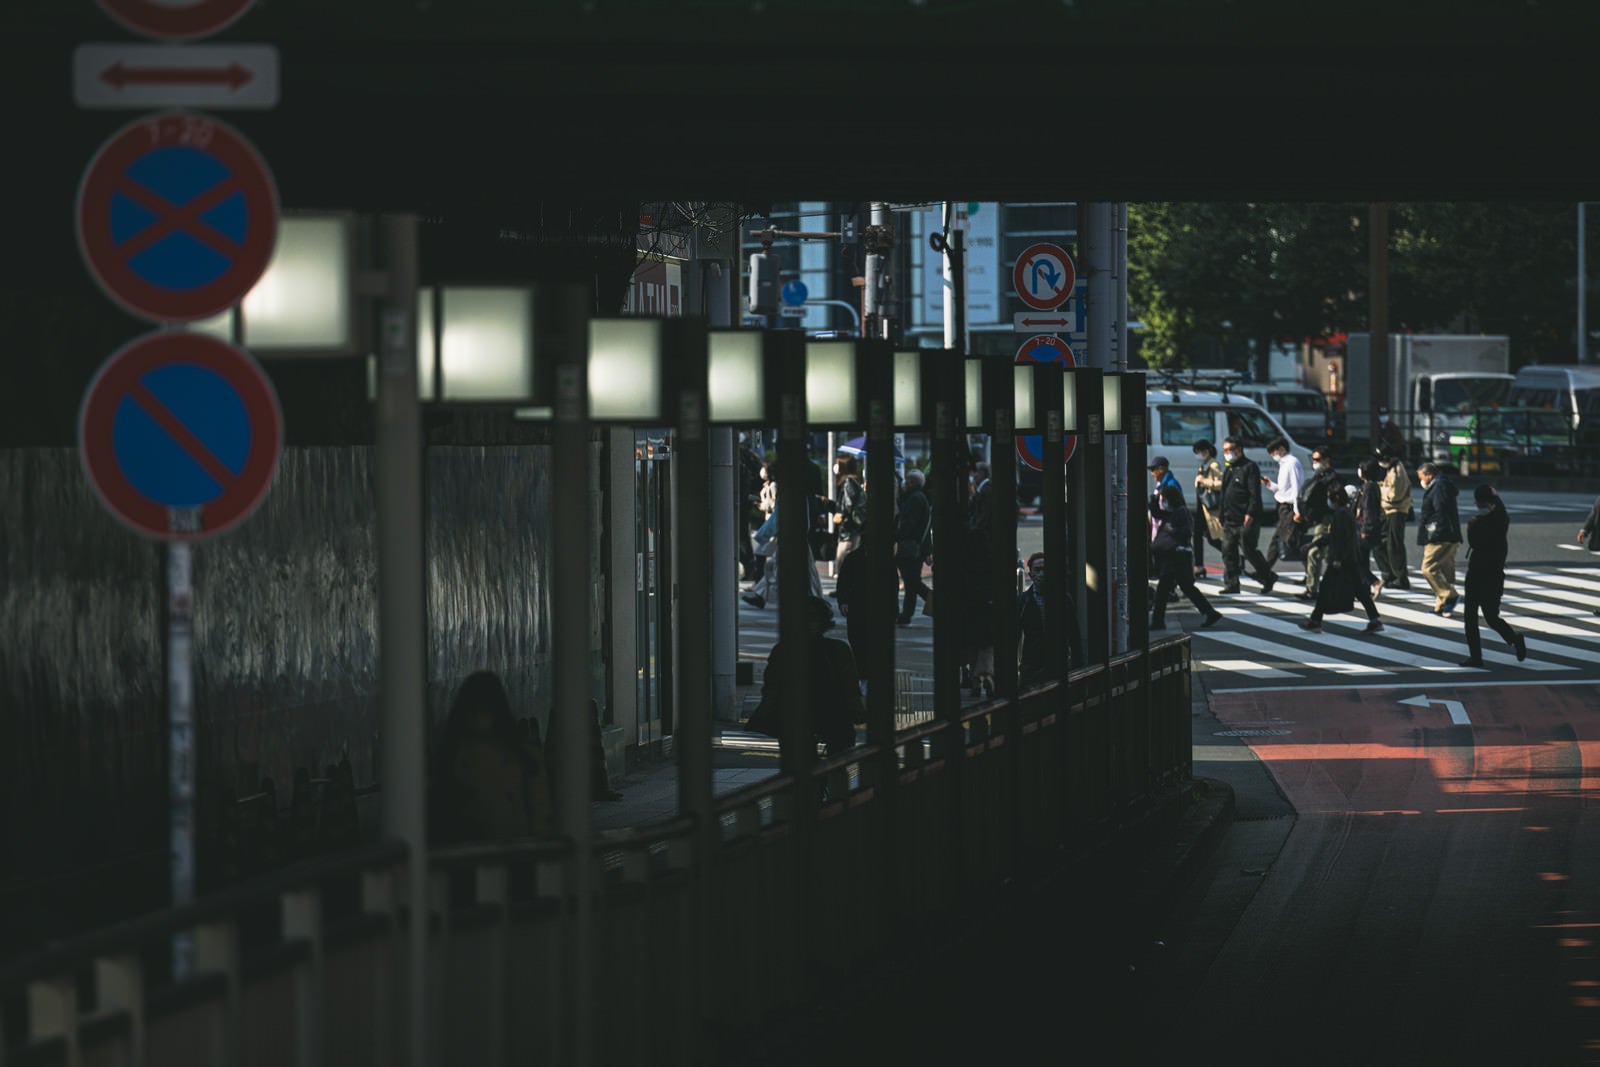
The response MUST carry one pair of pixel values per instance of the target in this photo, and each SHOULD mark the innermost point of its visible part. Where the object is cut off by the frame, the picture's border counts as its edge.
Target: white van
(1299, 408)
(1181, 416)
(1570, 388)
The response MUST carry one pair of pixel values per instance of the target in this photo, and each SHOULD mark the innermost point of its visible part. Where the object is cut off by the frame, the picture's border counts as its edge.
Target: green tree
(1217, 284)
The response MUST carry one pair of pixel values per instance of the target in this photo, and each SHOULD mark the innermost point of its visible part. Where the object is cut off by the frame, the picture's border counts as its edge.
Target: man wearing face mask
(1241, 519)
(1315, 514)
(1286, 493)
(1439, 534)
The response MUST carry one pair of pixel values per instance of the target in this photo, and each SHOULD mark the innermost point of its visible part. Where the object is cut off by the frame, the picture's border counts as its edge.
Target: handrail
(223, 904)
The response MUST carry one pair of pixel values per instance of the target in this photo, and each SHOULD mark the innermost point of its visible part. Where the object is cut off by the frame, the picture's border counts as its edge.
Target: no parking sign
(177, 217)
(1044, 348)
(178, 421)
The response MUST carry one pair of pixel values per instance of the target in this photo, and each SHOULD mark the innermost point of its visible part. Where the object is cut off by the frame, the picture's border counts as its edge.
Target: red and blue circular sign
(1044, 348)
(178, 421)
(177, 217)
(175, 20)
(1043, 276)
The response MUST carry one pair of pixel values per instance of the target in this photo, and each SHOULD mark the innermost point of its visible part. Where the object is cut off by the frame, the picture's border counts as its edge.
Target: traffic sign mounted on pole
(180, 422)
(1044, 348)
(1043, 276)
(162, 75)
(175, 20)
(177, 217)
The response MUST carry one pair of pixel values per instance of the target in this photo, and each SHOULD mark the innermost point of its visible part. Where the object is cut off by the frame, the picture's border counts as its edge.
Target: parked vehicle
(1183, 410)
(1570, 388)
(1302, 410)
(1437, 382)
(1514, 441)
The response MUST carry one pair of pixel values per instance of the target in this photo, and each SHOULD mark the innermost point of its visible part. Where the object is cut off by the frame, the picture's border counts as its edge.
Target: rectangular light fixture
(832, 390)
(1111, 391)
(626, 370)
(973, 391)
(736, 377)
(303, 304)
(908, 413)
(1024, 410)
(485, 344)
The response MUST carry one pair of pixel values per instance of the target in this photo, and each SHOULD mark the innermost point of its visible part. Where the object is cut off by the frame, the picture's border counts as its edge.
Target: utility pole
(1583, 325)
(953, 247)
(1377, 315)
(878, 241)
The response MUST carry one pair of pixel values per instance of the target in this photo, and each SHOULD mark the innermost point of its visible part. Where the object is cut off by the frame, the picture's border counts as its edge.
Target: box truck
(1437, 383)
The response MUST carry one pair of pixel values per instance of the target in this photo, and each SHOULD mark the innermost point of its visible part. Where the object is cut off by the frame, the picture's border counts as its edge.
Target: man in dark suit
(1241, 519)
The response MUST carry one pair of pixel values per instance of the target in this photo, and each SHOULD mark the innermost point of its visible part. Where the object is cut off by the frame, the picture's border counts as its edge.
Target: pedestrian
(766, 547)
(489, 784)
(1342, 586)
(1313, 515)
(1439, 534)
(1590, 532)
(977, 595)
(1487, 534)
(1394, 497)
(1241, 517)
(1390, 439)
(852, 590)
(1207, 499)
(1037, 661)
(1369, 522)
(913, 545)
(1161, 472)
(1171, 542)
(849, 509)
(833, 694)
(1285, 489)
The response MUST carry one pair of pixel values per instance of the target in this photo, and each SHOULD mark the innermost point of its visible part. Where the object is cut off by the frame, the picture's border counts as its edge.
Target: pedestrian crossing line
(1539, 652)
(1589, 583)
(1250, 668)
(1381, 646)
(1275, 648)
(1517, 608)
(1552, 593)
(1455, 650)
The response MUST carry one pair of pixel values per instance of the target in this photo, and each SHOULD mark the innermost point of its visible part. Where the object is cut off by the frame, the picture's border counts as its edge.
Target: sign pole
(180, 724)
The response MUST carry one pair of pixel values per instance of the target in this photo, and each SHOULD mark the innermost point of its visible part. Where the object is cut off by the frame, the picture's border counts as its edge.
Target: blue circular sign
(794, 293)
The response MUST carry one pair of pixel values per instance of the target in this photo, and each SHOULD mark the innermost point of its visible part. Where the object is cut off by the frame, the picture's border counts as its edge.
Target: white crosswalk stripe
(1552, 607)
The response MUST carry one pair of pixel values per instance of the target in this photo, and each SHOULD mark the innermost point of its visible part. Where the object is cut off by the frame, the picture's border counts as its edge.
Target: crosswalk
(1554, 608)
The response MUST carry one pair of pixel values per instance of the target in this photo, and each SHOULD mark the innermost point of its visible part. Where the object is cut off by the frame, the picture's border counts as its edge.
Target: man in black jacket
(1439, 534)
(1241, 519)
(912, 525)
(1314, 514)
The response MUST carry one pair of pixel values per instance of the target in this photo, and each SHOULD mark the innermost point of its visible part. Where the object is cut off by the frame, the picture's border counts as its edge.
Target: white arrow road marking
(1458, 711)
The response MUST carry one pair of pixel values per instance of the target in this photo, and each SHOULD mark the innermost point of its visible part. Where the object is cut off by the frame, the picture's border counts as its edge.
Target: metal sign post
(180, 723)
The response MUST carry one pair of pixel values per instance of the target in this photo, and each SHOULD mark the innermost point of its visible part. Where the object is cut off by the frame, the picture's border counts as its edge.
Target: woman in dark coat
(1343, 583)
(1172, 545)
(1486, 574)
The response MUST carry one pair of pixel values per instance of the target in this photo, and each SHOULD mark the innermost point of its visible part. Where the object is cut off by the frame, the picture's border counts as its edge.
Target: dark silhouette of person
(1037, 663)
(1487, 534)
(834, 695)
(490, 784)
(913, 524)
(1343, 583)
(1172, 545)
(851, 591)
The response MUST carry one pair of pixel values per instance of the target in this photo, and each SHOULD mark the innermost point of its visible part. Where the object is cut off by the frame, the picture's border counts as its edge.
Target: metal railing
(307, 965)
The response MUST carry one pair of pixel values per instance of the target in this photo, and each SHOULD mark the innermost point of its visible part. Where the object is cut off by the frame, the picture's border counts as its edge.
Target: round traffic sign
(177, 216)
(1044, 348)
(1043, 276)
(175, 20)
(178, 421)
(794, 293)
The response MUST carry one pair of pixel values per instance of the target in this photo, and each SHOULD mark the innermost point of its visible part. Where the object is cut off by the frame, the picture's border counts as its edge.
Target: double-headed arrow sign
(142, 76)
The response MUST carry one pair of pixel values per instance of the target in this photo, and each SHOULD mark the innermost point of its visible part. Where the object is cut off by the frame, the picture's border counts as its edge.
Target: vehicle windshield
(1297, 403)
(1469, 394)
(1534, 423)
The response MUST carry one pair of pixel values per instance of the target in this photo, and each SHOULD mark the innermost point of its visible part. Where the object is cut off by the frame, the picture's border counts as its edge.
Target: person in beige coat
(1394, 497)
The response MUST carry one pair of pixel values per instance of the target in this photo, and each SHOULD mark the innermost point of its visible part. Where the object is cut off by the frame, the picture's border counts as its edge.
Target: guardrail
(302, 966)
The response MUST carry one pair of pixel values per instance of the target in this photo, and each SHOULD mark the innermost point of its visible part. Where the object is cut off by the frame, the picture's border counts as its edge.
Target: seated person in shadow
(490, 783)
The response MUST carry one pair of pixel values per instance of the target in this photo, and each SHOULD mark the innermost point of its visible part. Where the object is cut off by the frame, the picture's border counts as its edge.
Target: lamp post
(1583, 325)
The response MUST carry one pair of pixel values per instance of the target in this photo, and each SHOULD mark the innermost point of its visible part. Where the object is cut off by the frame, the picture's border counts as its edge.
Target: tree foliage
(1216, 284)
